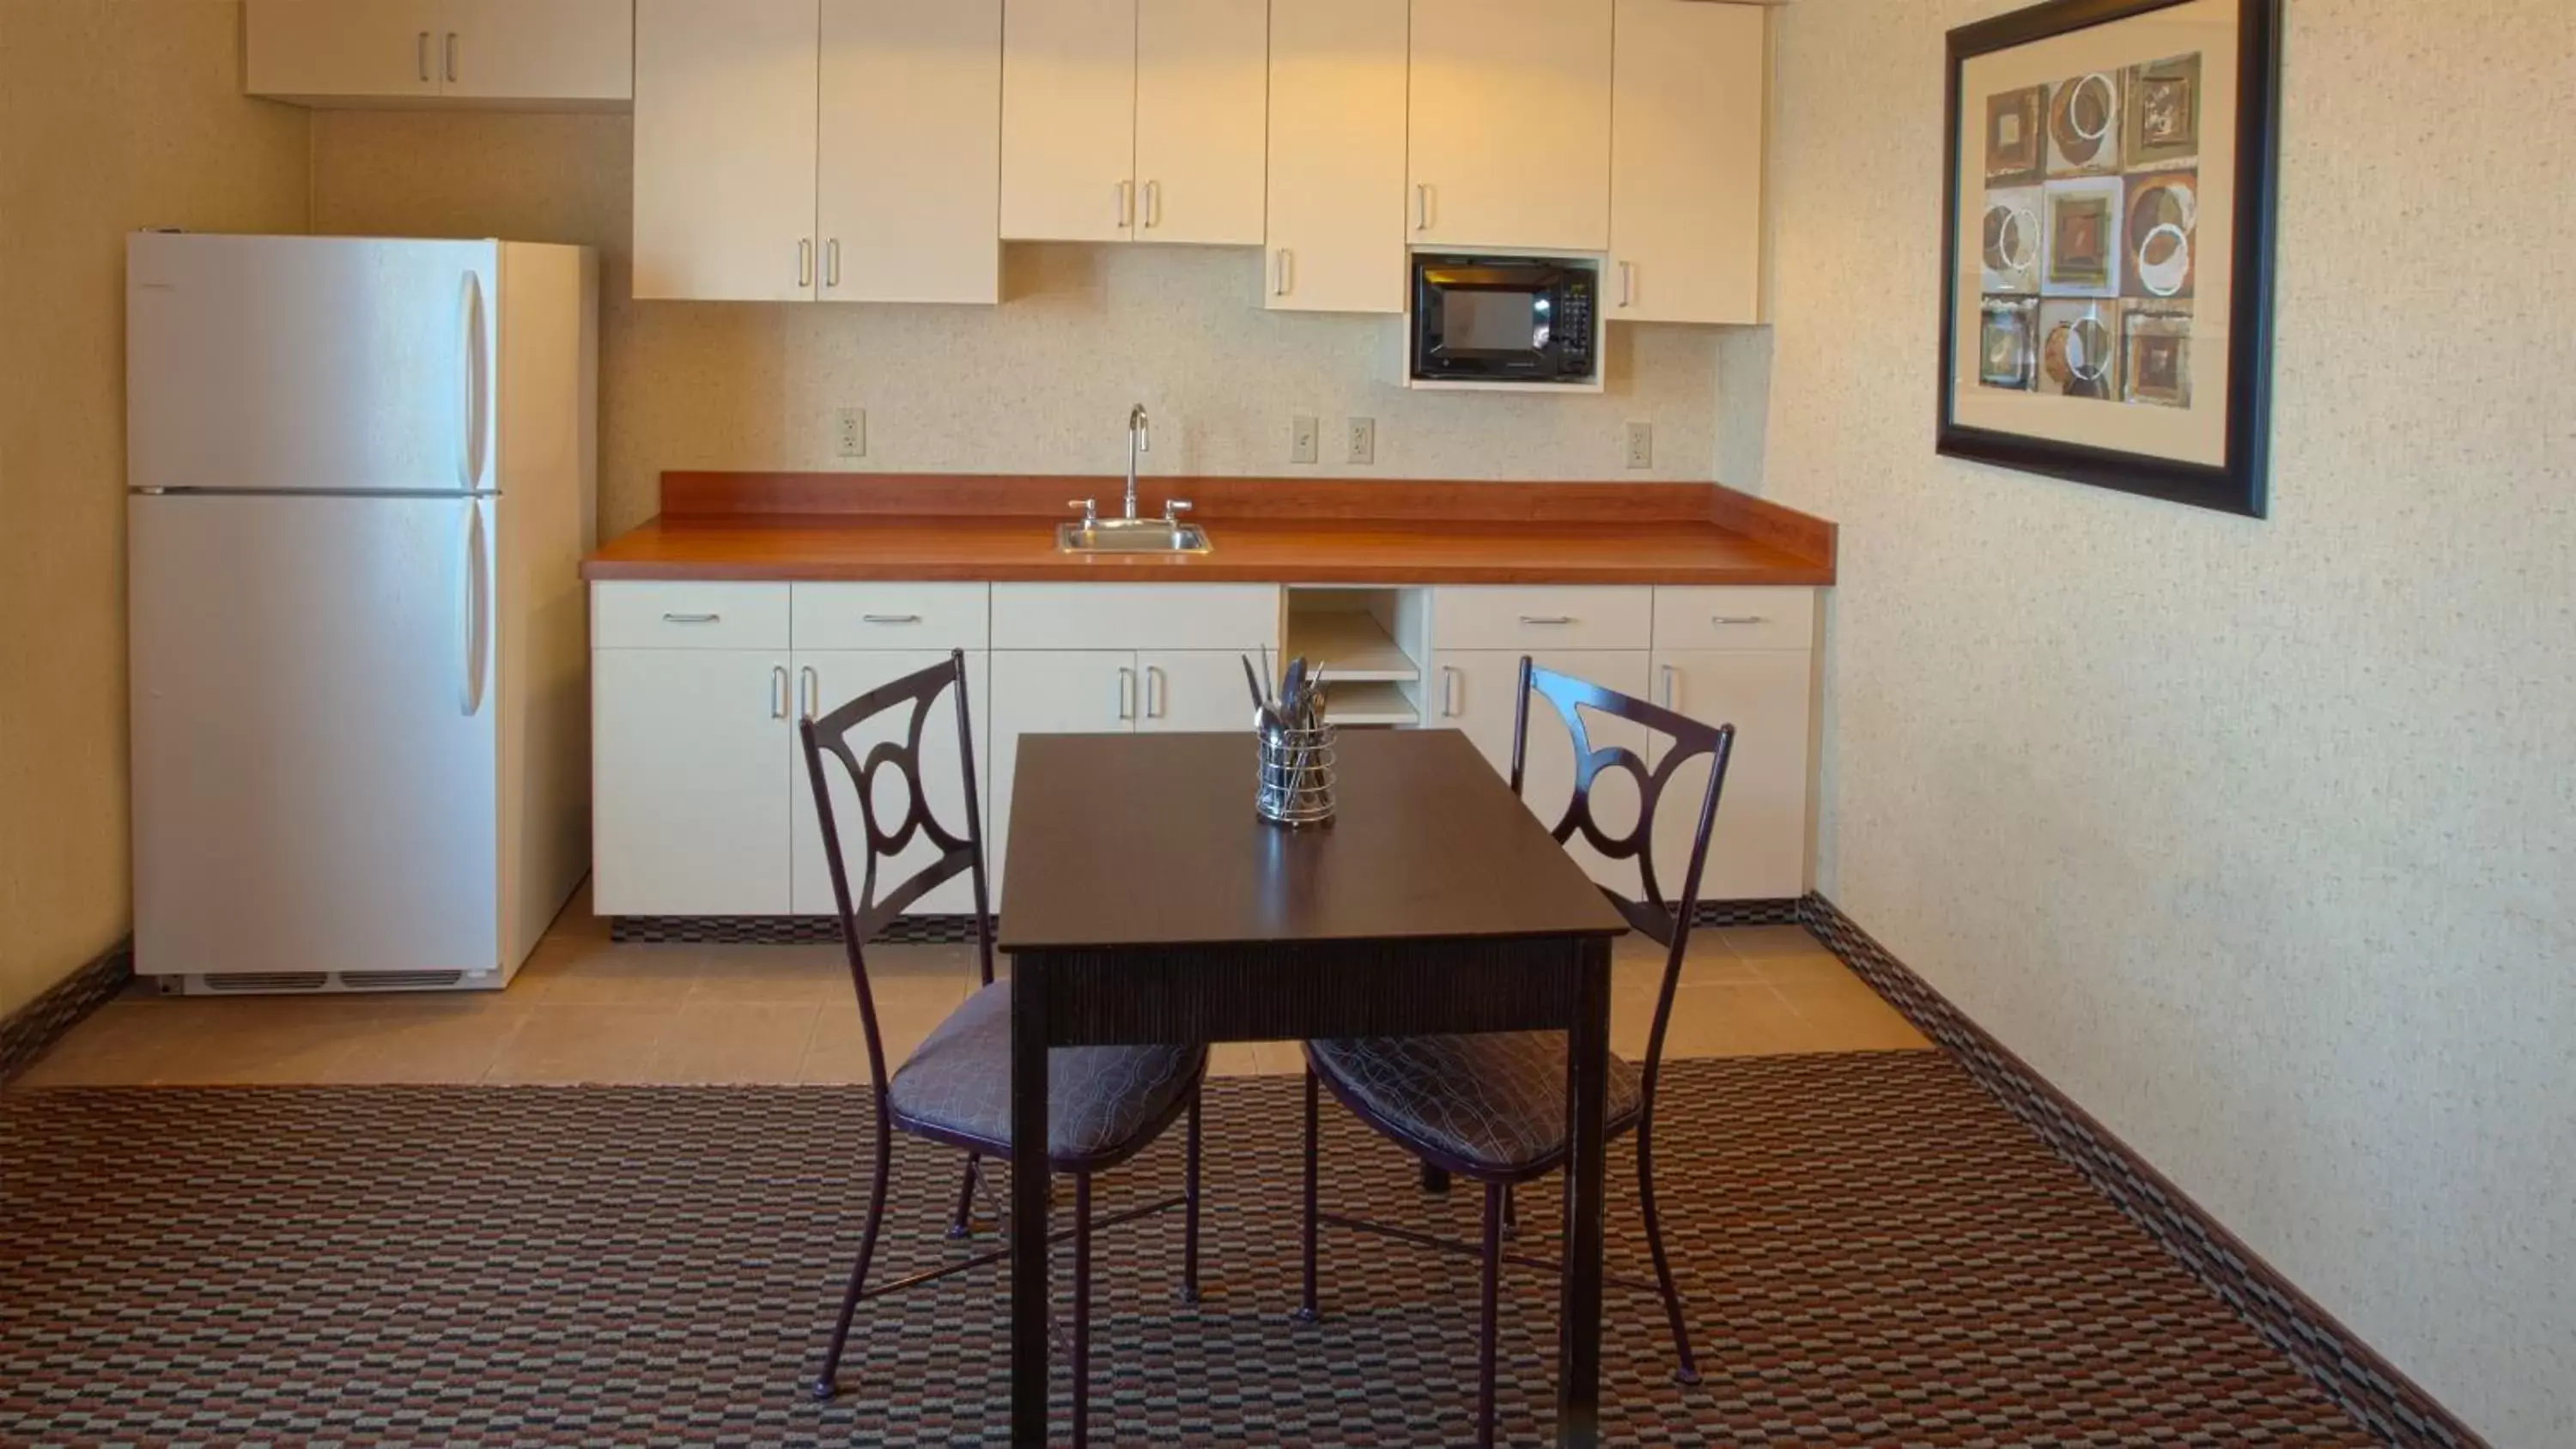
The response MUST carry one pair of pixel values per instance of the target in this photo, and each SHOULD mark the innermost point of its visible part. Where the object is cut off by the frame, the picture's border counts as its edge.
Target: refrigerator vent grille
(402, 980)
(272, 981)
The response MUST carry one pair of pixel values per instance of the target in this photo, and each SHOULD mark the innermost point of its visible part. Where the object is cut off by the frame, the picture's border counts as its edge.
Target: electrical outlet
(1641, 445)
(1363, 440)
(851, 429)
(1305, 441)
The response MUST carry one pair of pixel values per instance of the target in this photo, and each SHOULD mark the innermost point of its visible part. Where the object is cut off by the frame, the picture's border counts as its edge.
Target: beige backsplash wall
(1040, 384)
(114, 115)
(2259, 838)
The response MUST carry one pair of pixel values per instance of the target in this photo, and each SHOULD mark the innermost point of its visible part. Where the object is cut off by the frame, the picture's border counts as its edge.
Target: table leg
(1029, 1184)
(1587, 1078)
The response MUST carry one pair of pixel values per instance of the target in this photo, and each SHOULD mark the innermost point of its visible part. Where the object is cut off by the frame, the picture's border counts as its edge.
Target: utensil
(1252, 681)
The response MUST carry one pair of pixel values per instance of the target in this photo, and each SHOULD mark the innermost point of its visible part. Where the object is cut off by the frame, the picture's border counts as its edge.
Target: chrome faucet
(1140, 439)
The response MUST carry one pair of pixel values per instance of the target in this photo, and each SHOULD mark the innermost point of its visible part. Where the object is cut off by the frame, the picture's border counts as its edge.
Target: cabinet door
(1686, 116)
(690, 755)
(1759, 851)
(824, 681)
(1198, 691)
(1336, 212)
(1510, 133)
(908, 201)
(539, 50)
(1202, 98)
(1076, 692)
(330, 49)
(1476, 691)
(725, 149)
(1069, 120)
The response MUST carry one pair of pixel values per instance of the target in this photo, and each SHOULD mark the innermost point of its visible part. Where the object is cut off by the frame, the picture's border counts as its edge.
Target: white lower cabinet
(1195, 691)
(1051, 692)
(1476, 690)
(827, 679)
(690, 782)
(1759, 850)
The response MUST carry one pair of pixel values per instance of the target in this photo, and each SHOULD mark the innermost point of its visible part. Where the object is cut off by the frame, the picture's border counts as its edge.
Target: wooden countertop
(890, 527)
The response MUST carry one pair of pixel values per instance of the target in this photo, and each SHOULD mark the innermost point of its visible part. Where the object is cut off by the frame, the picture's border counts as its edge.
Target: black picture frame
(2240, 484)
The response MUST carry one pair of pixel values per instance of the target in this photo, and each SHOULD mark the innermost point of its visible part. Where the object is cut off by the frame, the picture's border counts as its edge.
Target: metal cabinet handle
(691, 618)
(1547, 619)
(1126, 204)
(1449, 682)
(1627, 284)
(1153, 203)
(1422, 206)
(1280, 274)
(1154, 691)
(809, 691)
(1126, 693)
(889, 618)
(451, 57)
(778, 691)
(1734, 619)
(420, 52)
(804, 262)
(1672, 687)
(832, 262)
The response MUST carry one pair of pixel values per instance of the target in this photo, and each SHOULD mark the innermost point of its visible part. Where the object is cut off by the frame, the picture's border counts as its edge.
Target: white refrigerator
(361, 479)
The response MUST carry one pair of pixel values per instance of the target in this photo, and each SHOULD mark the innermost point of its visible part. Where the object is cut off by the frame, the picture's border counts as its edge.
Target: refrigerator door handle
(475, 379)
(478, 622)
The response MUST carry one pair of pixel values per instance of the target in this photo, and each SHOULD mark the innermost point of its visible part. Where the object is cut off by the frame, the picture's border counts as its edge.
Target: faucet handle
(1090, 509)
(1173, 508)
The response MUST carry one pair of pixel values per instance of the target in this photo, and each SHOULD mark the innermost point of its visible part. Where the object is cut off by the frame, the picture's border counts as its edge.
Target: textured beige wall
(1041, 384)
(114, 115)
(2258, 838)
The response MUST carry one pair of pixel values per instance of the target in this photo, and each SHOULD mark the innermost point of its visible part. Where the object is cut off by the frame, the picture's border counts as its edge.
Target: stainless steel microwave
(1504, 319)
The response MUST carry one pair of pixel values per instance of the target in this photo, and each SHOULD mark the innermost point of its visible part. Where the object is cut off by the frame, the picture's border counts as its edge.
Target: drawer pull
(691, 618)
(1732, 619)
(890, 618)
(1547, 619)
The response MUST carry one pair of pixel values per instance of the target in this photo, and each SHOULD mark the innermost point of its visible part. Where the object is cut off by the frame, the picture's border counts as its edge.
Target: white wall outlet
(850, 432)
(1305, 441)
(1641, 445)
(1363, 440)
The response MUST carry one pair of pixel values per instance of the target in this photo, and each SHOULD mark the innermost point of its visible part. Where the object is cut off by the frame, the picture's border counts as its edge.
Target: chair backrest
(1664, 919)
(867, 912)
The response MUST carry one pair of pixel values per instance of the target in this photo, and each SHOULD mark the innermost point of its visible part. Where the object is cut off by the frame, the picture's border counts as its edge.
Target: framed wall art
(2106, 313)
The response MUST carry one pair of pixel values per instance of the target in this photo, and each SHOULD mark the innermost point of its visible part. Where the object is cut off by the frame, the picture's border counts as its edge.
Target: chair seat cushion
(1102, 1102)
(1494, 1103)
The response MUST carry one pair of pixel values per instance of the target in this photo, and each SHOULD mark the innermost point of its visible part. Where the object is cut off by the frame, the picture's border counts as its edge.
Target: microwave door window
(1478, 321)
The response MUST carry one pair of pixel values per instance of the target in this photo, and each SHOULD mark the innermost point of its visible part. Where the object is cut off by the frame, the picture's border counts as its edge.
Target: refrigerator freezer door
(310, 364)
(315, 753)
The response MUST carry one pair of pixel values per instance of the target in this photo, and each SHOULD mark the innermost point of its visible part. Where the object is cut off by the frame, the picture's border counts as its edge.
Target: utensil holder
(1296, 787)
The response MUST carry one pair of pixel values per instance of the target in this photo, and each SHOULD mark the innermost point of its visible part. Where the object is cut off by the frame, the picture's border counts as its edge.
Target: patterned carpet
(1876, 1254)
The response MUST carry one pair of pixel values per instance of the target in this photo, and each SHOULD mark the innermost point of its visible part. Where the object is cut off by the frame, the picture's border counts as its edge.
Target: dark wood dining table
(1144, 901)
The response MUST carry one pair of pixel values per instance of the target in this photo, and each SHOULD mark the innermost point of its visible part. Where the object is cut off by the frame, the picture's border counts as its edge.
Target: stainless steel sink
(1131, 535)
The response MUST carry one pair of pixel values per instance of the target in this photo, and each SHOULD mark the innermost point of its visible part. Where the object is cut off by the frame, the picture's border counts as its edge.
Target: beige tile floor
(586, 1009)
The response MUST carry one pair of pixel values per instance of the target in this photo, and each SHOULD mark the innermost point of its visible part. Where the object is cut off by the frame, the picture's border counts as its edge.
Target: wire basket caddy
(1296, 787)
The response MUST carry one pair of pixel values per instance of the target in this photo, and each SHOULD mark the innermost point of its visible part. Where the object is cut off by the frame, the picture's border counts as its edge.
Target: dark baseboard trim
(2370, 1388)
(44, 1021)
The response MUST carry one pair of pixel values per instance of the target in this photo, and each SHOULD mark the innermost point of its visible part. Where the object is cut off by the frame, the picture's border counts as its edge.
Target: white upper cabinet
(725, 125)
(1509, 139)
(1134, 120)
(907, 199)
(1069, 120)
(1337, 123)
(1686, 133)
(540, 53)
(1202, 79)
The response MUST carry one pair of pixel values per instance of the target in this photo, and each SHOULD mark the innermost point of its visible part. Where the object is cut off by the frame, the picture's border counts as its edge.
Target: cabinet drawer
(893, 616)
(652, 615)
(1523, 618)
(1135, 616)
(1768, 618)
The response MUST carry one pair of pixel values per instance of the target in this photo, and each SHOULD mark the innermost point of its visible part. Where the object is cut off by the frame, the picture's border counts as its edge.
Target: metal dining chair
(1105, 1104)
(1492, 1108)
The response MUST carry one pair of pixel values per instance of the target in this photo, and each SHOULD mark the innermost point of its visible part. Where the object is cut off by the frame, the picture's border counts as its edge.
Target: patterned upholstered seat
(1493, 1103)
(1099, 1099)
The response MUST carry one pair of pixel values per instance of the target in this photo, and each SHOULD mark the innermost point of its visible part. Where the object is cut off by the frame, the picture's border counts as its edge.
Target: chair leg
(826, 1383)
(1486, 1346)
(961, 1223)
(1307, 1312)
(1081, 1310)
(1688, 1372)
(1190, 1208)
